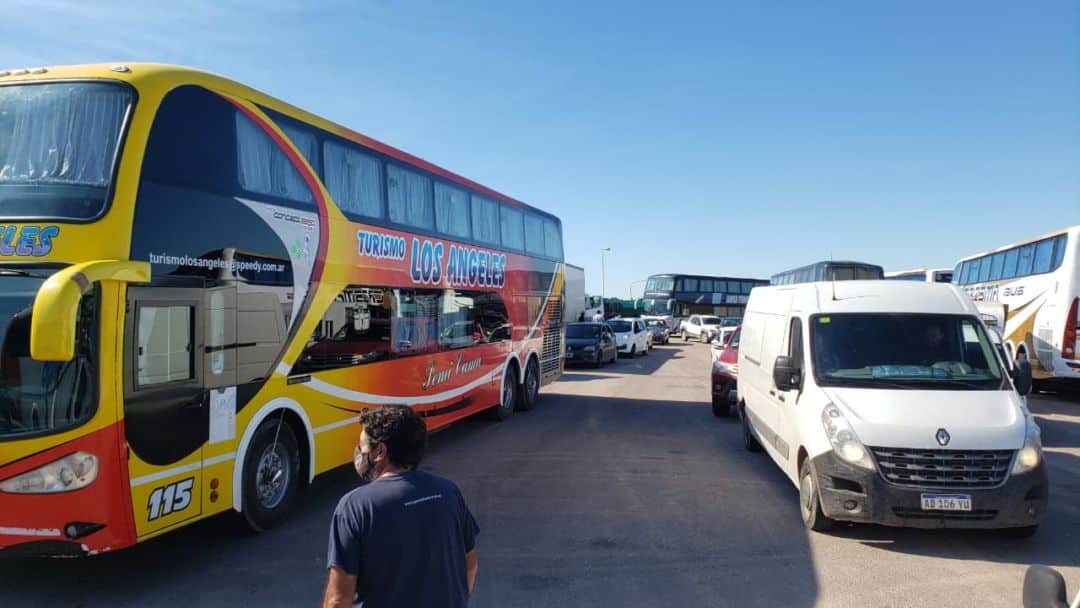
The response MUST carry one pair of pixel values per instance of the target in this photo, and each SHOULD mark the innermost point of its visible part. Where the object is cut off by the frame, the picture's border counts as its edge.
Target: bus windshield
(39, 397)
(58, 144)
(656, 306)
(903, 351)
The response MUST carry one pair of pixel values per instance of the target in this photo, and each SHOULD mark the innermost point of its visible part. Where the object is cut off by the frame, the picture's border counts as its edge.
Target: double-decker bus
(1037, 282)
(677, 296)
(829, 271)
(201, 286)
(922, 275)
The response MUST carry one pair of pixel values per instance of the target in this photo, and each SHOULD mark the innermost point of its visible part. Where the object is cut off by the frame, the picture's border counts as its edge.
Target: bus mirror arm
(56, 305)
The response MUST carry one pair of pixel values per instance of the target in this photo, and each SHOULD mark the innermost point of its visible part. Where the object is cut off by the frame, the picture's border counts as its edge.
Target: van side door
(787, 429)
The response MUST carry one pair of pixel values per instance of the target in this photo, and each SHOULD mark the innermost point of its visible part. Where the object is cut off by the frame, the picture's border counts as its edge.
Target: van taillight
(1072, 321)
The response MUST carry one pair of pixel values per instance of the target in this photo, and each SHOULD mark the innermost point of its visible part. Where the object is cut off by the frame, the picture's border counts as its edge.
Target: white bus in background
(924, 275)
(1037, 281)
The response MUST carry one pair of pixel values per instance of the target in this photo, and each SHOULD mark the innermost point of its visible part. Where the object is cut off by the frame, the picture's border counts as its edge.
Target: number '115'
(170, 499)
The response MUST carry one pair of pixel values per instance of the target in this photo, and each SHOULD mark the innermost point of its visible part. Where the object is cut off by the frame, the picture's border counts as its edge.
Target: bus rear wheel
(507, 396)
(271, 475)
(530, 389)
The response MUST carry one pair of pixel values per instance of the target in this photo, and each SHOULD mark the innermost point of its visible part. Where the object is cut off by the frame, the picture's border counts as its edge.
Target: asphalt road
(620, 489)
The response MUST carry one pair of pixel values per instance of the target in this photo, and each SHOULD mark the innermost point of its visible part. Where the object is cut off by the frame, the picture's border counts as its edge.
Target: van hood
(974, 420)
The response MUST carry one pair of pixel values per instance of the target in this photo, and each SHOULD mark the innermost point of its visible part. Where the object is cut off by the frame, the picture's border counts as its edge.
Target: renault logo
(943, 437)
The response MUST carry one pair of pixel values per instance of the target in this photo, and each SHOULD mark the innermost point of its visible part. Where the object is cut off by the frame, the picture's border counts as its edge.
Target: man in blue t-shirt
(406, 538)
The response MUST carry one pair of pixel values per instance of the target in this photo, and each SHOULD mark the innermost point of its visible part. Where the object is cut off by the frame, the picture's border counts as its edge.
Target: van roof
(865, 296)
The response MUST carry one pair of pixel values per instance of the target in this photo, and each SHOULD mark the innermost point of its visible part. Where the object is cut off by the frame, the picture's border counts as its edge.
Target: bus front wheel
(271, 476)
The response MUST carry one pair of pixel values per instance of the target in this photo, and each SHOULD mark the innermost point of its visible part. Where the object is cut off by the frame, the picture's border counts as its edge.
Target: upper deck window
(58, 147)
(264, 168)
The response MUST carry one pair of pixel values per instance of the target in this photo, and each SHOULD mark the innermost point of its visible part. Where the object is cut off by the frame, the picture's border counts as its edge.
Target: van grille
(943, 468)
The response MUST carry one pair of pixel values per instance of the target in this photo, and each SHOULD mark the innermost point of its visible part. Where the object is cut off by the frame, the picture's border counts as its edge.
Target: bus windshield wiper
(13, 272)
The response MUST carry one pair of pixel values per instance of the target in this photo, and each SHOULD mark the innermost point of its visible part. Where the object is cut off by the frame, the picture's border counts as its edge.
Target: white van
(887, 402)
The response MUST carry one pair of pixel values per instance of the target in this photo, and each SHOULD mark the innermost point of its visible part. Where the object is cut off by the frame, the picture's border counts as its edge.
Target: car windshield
(655, 323)
(37, 396)
(711, 321)
(734, 343)
(656, 306)
(582, 331)
(620, 326)
(58, 145)
(903, 351)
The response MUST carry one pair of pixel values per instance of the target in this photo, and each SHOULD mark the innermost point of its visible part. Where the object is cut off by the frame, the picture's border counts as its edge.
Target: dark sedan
(590, 343)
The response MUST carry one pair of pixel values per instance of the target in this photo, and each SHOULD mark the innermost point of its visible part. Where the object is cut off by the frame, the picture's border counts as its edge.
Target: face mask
(365, 468)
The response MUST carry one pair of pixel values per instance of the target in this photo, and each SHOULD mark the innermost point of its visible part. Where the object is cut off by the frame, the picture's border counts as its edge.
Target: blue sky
(723, 138)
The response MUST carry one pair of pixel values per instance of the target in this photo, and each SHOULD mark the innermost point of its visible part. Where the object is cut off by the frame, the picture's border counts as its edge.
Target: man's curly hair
(401, 429)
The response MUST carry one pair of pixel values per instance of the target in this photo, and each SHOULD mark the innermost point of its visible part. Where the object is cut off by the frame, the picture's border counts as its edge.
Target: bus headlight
(845, 442)
(71, 472)
(1030, 455)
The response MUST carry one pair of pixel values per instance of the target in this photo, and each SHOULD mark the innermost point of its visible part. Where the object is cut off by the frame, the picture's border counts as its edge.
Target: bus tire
(530, 388)
(508, 395)
(271, 475)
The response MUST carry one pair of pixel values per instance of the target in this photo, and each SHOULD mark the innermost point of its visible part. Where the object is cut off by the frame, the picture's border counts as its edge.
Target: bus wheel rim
(508, 392)
(531, 382)
(272, 476)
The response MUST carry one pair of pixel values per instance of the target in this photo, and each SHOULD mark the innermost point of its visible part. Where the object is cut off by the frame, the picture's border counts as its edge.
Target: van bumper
(850, 493)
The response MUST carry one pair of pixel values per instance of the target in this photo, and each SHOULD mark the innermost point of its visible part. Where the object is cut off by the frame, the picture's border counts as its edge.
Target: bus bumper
(88, 521)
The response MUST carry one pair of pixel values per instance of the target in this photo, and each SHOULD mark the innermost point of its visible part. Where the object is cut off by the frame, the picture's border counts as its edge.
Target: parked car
(720, 340)
(659, 329)
(631, 337)
(700, 327)
(725, 375)
(889, 380)
(590, 344)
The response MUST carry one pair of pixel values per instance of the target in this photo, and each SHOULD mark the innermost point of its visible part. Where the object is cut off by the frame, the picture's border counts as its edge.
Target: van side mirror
(1044, 587)
(786, 373)
(1021, 375)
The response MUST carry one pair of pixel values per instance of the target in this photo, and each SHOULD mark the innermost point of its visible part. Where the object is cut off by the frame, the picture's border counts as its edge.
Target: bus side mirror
(1044, 587)
(1021, 375)
(787, 375)
(52, 323)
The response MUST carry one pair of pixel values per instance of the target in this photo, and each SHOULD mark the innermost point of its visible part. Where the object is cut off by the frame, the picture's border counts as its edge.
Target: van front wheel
(809, 503)
(749, 441)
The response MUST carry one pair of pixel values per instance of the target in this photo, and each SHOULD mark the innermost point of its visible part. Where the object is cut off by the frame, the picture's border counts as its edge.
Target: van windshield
(903, 351)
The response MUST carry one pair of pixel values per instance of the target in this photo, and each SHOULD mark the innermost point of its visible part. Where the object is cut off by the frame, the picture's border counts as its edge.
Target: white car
(631, 336)
(889, 402)
(700, 327)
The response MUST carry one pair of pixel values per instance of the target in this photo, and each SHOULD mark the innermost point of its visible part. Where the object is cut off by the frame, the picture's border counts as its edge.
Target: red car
(725, 373)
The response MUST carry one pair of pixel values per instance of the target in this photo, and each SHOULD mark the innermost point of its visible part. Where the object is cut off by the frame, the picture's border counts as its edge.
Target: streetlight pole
(603, 281)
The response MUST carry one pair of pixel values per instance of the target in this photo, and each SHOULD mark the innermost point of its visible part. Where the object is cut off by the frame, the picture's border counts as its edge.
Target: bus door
(179, 383)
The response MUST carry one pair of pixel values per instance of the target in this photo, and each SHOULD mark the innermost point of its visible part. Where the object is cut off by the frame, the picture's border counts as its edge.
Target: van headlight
(72, 472)
(845, 442)
(1030, 455)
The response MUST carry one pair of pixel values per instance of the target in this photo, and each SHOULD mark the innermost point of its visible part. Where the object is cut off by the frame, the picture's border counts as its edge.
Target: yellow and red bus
(201, 286)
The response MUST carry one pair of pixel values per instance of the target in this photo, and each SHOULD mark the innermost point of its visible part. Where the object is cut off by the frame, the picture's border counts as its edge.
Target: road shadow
(646, 364)
(1058, 420)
